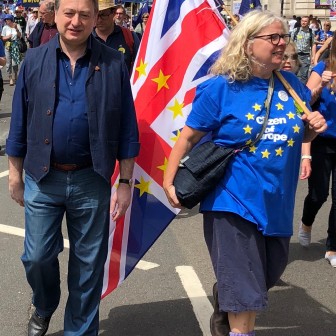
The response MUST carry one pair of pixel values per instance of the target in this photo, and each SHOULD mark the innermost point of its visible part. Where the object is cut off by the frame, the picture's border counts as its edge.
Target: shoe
(331, 258)
(38, 326)
(219, 321)
(304, 237)
(11, 82)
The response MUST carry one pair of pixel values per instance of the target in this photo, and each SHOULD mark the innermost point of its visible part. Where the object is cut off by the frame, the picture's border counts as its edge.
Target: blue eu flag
(248, 5)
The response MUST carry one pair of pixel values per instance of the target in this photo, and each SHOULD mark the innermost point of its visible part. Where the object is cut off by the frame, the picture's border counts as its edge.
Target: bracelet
(125, 181)
(306, 157)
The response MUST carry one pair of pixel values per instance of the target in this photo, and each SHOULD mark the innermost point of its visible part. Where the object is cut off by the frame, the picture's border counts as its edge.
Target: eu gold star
(296, 129)
(177, 109)
(265, 154)
(256, 107)
(175, 137)
(143, 186)
(164, 166)
(290, 142)
(279, 106)
(161, 81)
(142, 68)
(253, 149)
(251, 5)
(248, 142)
(247, 129)
(249, 116)
(279, 151)
(291, 115)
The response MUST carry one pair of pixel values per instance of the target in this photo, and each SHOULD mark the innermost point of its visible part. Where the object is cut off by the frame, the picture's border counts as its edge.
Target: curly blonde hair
(234, 62)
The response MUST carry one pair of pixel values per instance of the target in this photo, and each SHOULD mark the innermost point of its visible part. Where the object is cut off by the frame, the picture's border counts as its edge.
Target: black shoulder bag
(204, 166)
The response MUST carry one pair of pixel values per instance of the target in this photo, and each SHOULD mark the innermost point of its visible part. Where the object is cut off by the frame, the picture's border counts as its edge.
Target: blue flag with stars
(249, 5)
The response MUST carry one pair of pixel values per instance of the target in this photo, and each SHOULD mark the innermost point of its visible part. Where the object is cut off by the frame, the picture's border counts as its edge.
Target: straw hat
(104, 4)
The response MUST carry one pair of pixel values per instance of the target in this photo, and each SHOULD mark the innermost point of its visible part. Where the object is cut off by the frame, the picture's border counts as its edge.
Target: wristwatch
(126, 181)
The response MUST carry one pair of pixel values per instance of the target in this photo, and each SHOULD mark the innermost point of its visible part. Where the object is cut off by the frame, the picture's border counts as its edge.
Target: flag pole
(235, 22)
(292, 92)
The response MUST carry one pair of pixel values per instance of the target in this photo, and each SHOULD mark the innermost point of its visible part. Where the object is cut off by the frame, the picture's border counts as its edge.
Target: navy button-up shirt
(71, 142)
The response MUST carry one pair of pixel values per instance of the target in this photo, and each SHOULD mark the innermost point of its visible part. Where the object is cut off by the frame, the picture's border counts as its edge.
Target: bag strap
(268, 106)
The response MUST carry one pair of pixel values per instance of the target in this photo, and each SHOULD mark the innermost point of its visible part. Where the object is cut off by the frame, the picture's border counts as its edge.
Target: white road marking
(143, 265)
(4, 174)
(201, 305)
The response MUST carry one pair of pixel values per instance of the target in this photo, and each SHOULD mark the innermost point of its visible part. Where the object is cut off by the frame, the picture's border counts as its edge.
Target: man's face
(46, 15)
(119, 16)
(105, 20)
(18, 14)
(304, 22)
(75, 21)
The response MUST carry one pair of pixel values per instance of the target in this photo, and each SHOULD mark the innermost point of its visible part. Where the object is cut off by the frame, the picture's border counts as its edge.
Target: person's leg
(87, 214)
(331, 237)
(15, 72)
(318, 191)
(277, 249)
(9, 67)
(304, 68)
(239, 260)
(219, 320)
(43, 241)
(1, 86)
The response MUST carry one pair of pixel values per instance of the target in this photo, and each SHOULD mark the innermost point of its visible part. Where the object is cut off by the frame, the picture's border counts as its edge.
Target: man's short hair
(120, 6)
(94, 2)
(50, 4)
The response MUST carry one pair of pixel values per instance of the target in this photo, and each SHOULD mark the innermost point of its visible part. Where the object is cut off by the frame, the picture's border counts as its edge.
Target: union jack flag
(181, 41)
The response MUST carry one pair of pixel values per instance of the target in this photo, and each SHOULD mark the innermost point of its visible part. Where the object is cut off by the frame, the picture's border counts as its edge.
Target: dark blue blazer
(110, 109)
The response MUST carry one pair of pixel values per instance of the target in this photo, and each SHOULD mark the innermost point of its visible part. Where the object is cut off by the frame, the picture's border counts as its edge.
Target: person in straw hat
(67, 135)
(114, 36)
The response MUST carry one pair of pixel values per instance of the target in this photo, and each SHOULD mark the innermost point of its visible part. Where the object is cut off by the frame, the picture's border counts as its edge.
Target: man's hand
(121, 200)
(16, 189)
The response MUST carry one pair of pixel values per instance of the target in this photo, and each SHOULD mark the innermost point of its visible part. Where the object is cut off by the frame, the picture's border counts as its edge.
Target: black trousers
(323, 167)
(1, 87)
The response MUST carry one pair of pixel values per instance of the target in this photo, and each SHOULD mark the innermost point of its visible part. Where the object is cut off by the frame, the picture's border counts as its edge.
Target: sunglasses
(293, 57)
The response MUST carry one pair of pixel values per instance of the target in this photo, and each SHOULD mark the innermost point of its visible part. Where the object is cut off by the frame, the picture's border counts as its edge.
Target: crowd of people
(63, 149)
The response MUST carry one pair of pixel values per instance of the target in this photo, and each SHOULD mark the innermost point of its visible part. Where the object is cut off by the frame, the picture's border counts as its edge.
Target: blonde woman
(248, 217)
(323, 52)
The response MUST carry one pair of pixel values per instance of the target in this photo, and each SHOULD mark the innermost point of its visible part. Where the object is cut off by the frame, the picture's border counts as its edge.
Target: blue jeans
(84, 196)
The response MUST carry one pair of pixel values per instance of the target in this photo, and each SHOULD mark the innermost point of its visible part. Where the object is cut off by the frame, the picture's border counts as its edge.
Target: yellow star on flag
(265, 154)
(290, 142)
(248, 129)
(291, 115)
(249, 116)
(279, 106)
(164, 166)
(251, 5)
(142, 68)
(279, 151)
(256, 107)
(253, 149)
(177, 109)
(248, 142)
(296, 129)
(161, 81)
(143, 186)
(174, 138)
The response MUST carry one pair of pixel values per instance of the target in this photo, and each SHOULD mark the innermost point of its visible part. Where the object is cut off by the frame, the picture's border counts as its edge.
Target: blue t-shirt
(260, 182)
(322, 36)
(326, 104)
